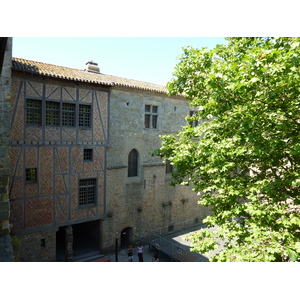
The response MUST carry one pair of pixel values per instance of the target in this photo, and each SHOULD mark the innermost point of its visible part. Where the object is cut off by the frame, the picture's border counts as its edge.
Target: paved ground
(122, 256)
(172, 248)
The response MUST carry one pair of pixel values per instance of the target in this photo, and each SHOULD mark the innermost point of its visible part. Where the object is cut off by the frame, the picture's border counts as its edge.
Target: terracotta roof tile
(34, 67)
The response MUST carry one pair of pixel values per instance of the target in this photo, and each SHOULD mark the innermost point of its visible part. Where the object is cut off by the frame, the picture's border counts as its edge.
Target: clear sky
(149, 59)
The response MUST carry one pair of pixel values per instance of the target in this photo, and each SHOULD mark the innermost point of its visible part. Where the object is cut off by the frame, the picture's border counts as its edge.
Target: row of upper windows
(65, 114)
(58, 114)
(151, 117)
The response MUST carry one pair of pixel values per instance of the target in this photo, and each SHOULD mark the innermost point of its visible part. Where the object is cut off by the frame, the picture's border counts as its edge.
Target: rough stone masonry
(6, 253)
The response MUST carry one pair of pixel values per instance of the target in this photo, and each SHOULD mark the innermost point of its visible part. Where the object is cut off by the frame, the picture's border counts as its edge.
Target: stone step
(88, 257)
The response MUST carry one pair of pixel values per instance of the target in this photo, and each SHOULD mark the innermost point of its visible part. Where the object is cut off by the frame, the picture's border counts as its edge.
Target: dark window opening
(84, 115)
(154, 121)
(133, 163)
(193, 121)
(87, 192)
(68, 114)
(88, 154)
(169, 167)
(52, 113)
(151, 116)
(171, 228)
(33, 112)
(147, 121)
(31, 175)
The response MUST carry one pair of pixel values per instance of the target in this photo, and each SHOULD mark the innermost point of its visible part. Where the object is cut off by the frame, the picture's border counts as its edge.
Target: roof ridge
(57, 71)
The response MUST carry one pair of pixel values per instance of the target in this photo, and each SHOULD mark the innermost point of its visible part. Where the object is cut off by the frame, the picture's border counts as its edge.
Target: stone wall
(39, 246)
(5, 98)
(132, 205)
(146, 202)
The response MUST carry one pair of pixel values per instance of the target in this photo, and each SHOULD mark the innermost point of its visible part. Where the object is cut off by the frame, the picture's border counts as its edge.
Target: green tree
(243, 158)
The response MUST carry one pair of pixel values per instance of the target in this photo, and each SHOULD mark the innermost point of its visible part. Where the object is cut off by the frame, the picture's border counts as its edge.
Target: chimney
(91, 66)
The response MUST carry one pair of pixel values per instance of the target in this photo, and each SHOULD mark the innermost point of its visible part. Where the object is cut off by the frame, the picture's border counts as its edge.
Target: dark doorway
(60, 244)
(86, 238)
(126, 237)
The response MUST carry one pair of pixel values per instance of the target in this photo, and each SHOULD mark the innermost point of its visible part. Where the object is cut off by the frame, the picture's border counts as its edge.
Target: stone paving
(173, 249)
(122, 256)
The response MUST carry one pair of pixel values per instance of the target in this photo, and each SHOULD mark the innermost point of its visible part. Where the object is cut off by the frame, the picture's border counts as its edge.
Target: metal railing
(157, 239)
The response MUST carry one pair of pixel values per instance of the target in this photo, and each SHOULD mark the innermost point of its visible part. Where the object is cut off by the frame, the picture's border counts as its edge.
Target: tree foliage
(243, 159)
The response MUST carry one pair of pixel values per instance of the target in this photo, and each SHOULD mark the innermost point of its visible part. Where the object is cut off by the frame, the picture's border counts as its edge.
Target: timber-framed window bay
(87, 192)
(56, 113)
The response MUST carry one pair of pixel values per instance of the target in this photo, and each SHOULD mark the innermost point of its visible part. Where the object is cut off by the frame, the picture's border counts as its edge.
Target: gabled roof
(54, 71)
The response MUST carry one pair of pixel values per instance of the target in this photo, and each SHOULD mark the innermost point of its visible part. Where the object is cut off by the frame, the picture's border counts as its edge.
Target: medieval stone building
(82, 174)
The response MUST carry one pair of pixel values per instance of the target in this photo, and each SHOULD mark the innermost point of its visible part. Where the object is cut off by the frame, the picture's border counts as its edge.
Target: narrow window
(88, 154)
(68, 114)
(193, 121)
(169, 167)
(33, 112)
(171, 228)
(147, 121)
(151, 116)
(133, 163)
(31, 175)
(84, 115)
(87, 192)
(52, 113)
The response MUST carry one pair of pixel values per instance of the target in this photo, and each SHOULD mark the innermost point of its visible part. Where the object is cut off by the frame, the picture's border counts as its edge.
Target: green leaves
(245, 161)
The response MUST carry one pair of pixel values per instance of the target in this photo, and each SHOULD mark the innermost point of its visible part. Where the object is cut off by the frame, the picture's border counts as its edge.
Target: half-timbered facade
(58, 147)
(82, 173)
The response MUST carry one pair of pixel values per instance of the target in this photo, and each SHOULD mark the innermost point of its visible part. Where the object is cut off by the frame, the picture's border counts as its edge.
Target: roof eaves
(27, 67)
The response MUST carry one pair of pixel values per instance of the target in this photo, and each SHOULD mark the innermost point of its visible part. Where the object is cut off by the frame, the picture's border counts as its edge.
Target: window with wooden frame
(84, 115)
(33, 112)
(68, 114)
(87, 192)
(88, 154)
(31, 175)
(52, 113)
(151, 116)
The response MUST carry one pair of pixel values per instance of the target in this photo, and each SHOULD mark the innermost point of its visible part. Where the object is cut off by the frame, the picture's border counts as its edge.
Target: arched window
(133, 163)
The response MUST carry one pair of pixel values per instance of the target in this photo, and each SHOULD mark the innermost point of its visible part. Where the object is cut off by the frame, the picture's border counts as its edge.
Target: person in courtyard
(130, 253)
(140, 251)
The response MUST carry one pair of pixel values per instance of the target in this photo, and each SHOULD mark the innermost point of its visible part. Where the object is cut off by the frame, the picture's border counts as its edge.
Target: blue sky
(149, 59)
